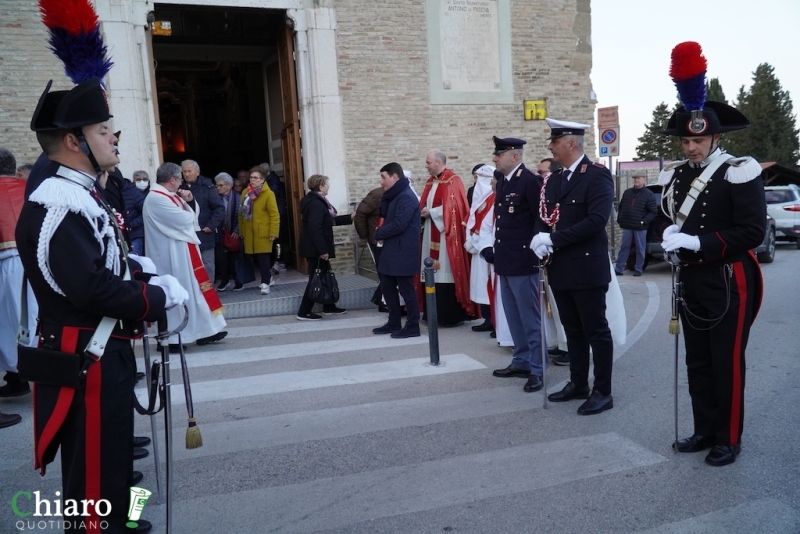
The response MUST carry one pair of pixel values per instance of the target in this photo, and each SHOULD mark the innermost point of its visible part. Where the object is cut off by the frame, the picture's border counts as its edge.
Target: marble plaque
(470, 45)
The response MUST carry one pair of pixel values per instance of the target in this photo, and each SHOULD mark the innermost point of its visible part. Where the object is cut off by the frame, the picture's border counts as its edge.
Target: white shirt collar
(574, 166)
(509, 175)
(711, 157)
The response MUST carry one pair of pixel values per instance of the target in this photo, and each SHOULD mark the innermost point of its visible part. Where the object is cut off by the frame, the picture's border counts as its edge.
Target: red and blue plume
(688, 71)
(75, 38)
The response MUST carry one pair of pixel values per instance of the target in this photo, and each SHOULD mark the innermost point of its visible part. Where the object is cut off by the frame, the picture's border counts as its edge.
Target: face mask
(142, 184)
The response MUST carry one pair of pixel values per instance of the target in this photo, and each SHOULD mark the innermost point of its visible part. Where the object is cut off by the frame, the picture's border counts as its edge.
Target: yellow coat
(265, 223)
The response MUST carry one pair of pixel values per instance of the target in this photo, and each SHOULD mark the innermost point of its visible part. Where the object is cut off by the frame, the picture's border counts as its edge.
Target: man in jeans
(636, 209)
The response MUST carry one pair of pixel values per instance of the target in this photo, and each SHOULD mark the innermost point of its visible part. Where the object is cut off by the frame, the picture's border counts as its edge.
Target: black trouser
(390, 285)
(716, 331)
(376, 253)
(226, 266)
(264, 267)
(307, 304)
(96, 437)
(583, 315)
(283, 241)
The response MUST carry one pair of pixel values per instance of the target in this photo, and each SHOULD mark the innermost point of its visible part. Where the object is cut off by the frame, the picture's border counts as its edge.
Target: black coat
(212, 211)
(316, 229)
(580, 242)
(399, 231)
(637, 209)
(516, 211)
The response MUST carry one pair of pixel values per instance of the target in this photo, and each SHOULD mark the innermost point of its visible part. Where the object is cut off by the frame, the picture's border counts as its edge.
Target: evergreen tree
(714, 91)
(772, 135)
(653, 144)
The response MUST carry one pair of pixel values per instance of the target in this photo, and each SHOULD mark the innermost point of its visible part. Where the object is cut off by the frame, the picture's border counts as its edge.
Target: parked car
(765, 252)
(783, 204)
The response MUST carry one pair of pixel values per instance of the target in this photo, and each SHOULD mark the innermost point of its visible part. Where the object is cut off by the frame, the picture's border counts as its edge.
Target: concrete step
(284, 298)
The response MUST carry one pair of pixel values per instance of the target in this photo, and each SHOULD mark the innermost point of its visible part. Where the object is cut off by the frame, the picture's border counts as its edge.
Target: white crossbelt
(697, 187)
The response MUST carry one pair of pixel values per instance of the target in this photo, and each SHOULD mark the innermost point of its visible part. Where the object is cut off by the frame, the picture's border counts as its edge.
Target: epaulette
(742, 170)
(599, 165)
(666, 173)
(675, 164)
(57, 193)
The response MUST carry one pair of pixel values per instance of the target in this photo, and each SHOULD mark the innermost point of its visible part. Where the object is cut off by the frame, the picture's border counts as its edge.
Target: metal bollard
(433, 320)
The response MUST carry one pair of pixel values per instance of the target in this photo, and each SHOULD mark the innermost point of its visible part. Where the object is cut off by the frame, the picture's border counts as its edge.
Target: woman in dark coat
(316, 240)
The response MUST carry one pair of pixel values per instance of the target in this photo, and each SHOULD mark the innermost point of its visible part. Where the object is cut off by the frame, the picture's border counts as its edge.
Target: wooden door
(291, 143)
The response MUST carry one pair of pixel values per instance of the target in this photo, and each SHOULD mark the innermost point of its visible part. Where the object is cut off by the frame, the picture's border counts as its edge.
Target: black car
(765, 252)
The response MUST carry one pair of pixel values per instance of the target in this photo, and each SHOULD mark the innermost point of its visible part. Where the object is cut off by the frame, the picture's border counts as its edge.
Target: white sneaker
(272, 281)
(264, 289)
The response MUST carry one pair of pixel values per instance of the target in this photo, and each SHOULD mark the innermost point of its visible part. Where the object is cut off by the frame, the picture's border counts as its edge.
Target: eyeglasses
(220, 185)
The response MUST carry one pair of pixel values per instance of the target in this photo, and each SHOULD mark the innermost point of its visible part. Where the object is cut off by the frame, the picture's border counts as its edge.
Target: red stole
(481, 213)
(453, 197)
(199, 270)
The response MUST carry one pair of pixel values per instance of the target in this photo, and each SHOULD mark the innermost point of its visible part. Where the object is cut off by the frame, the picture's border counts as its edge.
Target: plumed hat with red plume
(698, 116)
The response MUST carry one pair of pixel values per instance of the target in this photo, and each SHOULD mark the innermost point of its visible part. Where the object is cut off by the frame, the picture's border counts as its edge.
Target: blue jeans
(137, 245)
(640, 236)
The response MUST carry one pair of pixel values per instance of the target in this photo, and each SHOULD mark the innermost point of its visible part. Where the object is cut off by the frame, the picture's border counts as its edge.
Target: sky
(632, 41)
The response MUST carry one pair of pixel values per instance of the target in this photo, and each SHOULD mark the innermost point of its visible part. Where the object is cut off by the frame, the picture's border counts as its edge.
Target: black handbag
(324, 288)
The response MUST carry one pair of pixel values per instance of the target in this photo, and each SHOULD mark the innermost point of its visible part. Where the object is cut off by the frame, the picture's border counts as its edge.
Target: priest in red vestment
(444, 211)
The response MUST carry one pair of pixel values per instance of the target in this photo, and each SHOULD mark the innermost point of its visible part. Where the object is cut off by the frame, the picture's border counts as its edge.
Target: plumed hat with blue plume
(698, 116)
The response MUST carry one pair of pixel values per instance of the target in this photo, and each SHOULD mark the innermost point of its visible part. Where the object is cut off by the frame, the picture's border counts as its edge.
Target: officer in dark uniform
(77, 277)
(516, 211)
(720, 279)
(573, 216)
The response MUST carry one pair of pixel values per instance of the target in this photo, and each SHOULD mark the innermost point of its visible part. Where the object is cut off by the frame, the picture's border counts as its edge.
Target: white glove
(148, 267)
(681, 240)
(669, 230)
(542, 238)
(174, 291)
(542, 250)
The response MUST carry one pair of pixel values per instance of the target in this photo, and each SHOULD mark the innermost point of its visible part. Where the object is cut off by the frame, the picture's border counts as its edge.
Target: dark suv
(765, 252)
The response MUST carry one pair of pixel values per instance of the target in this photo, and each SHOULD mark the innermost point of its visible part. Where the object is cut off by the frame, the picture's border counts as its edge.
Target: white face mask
(142, 184)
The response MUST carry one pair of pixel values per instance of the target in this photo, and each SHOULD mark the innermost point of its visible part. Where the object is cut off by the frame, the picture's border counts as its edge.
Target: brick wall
(25, 67)
(383, 76)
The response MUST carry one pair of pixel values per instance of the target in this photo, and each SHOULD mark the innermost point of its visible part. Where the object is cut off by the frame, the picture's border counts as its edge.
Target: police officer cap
(82, 105)
(559, 128)
(509, 143)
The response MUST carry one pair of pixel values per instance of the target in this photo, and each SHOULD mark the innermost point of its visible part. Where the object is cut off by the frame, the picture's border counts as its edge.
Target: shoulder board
(742, 170)
(675, 164)
(665, 175)
(598, 164)
(58, 193)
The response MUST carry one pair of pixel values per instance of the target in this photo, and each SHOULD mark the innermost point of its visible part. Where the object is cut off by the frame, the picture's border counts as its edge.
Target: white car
(783, 205)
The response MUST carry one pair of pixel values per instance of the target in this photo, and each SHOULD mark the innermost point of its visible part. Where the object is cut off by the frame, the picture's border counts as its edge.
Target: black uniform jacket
(516, 211)
(91, 291)
(729, 218)
(580, 242)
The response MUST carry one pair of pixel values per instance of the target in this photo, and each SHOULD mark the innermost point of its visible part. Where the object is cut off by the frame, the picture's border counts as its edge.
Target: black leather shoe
(406, 332)
(141, 441)
(534, 383)
(569, 392)
(451, 325)
(139, 453)
(556, 352)
(723, 455)
(493, 335)
(15, 389)
(485, 327)
(136, 477)
(387, 329)
(561, 359)
(695, 443)
(511, 371)
(139, 376)
(9, 419)
(597, 403)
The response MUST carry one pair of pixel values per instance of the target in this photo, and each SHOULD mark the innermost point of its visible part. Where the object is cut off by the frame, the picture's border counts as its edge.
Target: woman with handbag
(230, 240)
(316, 241)
(259, 223)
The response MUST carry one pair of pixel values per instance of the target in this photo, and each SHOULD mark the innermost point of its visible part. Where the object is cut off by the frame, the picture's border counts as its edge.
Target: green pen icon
(139, 497)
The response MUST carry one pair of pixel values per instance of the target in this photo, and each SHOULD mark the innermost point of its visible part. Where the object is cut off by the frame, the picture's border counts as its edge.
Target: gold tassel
(674, 326)
(193, 438)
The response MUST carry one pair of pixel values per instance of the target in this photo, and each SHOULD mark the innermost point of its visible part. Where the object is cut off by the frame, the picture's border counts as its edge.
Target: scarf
(247, 204)
(331, 209)
(391, 193)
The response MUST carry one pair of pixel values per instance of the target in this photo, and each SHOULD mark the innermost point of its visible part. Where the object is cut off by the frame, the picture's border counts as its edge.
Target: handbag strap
(96, 346)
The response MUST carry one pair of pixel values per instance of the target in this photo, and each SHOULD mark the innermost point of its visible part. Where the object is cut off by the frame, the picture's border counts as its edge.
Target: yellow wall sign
(161, 27)
(535, 110)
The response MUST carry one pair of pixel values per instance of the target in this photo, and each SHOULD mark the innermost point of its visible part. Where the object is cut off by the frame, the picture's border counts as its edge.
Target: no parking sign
(609, 141)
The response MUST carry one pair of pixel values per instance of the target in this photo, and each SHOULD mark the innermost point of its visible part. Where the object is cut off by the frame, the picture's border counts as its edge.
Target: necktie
(564, 180)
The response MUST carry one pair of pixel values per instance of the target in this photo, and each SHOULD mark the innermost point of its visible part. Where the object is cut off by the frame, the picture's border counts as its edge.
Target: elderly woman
(259, 222)
(226, 259)
(316, 240)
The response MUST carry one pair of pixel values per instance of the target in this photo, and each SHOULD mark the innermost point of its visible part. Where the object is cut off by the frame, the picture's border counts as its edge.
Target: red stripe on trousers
(736, 386)
(69, 342)
(92, 445)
